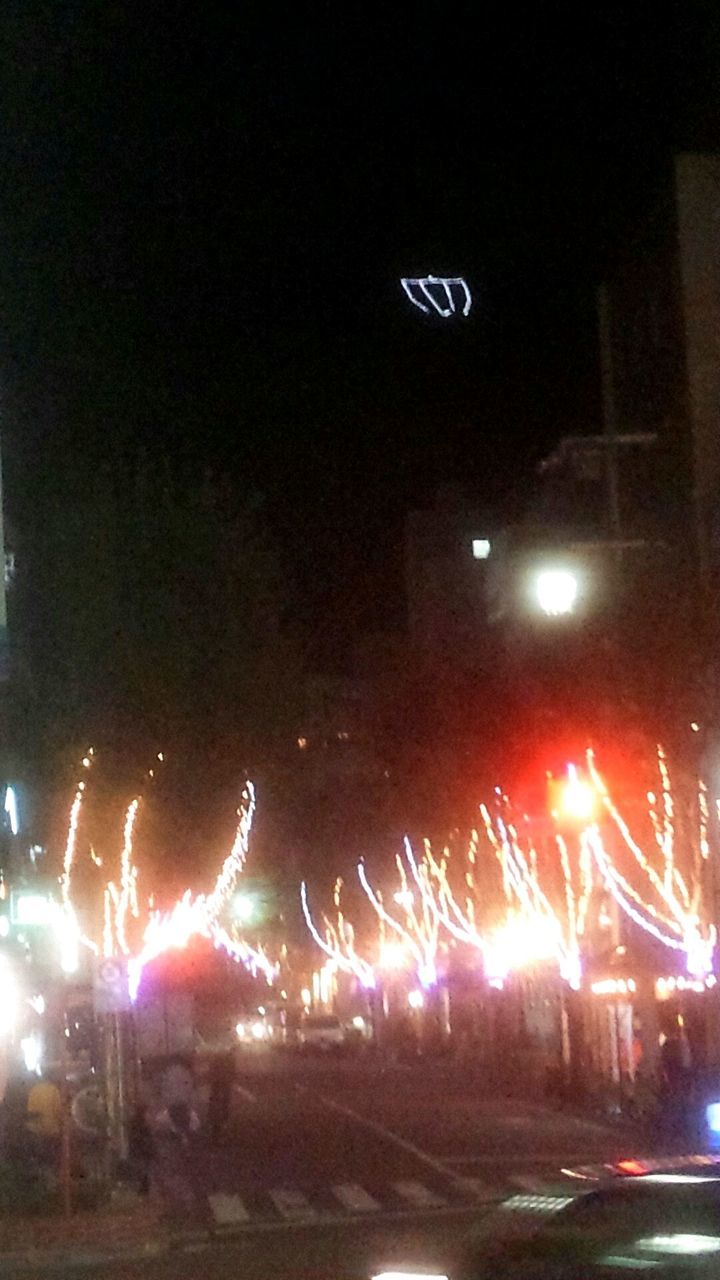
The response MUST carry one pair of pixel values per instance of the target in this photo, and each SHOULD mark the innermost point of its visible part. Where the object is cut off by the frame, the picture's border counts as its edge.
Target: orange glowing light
(573, 798)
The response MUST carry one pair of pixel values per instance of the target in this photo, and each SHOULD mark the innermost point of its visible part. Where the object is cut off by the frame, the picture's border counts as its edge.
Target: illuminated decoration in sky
(235, 861)
(127, 899)
(71, 934)
(198, 916)
(191, 916)
(535, 932)
(253, 959)
(674, 918)
(441, 294)
(535, 910)
(338, 939)
(420, 931)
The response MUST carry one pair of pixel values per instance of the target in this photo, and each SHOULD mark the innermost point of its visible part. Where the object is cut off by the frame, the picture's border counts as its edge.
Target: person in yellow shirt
(45, 1117)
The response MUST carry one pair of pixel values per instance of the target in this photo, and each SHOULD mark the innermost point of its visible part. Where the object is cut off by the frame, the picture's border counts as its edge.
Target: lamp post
(573, 804)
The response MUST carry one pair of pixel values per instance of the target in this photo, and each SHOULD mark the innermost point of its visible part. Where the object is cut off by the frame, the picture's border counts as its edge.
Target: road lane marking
(537, 1204)
(418, 1195)
(355, 1198)
(481, 1190)
(227, 1209)
(536, 1159)
(292, 1204)
(245, 1093)
(529, 1182)
(389, 1136)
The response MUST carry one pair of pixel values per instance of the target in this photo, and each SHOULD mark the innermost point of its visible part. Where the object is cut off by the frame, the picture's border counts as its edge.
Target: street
(338, 1168)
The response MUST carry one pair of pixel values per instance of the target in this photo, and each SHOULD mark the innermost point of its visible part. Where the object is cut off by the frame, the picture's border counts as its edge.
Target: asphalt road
(340, 1169)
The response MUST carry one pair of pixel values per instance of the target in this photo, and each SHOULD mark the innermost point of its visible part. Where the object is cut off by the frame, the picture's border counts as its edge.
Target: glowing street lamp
(243, 907)
(556, 591)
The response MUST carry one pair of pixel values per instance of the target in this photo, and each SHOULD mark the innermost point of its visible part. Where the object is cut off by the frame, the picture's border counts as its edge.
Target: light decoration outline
(448, 284)
(698, 942)
(338, 944)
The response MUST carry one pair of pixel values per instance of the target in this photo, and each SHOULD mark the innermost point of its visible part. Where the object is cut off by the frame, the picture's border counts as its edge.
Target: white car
(322, 1031)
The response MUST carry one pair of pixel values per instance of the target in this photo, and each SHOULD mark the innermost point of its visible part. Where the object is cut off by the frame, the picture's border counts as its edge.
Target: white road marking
(476, 1187)
(245, 1093)
(355, 1198)
(227, 1209)
(417, 1194)
(438, 1166)
(292, 1204)
(529, 1182)
(537, 1204)
(538, 1158)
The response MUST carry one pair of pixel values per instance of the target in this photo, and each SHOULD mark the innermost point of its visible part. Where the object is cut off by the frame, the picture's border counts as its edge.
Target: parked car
(324, 1032)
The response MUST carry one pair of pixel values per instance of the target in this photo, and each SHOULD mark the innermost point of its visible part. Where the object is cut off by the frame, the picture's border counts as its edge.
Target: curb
(22, 1260)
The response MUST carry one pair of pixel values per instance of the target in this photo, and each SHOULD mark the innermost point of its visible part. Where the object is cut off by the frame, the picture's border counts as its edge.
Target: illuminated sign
(438, 294)
(11, 809)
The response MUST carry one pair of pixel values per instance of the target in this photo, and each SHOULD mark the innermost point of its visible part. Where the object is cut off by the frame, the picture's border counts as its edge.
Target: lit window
(302, 743)
(481, 548)
(343, 736)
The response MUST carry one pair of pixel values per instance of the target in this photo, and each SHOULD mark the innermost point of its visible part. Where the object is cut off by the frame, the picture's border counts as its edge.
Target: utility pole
(609, 423)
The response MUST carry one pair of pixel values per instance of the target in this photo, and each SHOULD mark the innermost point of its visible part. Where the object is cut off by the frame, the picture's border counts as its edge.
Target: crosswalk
(352, 1200)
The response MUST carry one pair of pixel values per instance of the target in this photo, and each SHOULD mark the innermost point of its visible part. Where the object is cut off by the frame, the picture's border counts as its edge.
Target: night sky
(207, 210)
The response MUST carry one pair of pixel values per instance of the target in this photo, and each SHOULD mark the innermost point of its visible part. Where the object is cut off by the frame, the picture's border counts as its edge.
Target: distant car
(324, 1032)
(254, 1032)
(668, 1223)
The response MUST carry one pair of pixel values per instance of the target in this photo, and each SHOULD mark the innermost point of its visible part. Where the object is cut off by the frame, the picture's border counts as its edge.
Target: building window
(302, 743)
(481, 548)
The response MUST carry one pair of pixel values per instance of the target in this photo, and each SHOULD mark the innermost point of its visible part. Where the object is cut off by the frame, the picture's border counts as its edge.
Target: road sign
(111, 993)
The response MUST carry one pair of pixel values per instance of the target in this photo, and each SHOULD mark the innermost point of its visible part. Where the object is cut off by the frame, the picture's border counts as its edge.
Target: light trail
(346, 959)
(72, 935)
(197, 916)
(233, 865)
(127, 899)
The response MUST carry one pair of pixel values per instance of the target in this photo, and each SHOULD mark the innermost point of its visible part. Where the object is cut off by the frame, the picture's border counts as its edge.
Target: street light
(243, 907)
(556, 591)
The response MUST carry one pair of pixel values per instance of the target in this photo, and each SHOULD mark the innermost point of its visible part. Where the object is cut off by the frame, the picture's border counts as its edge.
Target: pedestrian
(14, 1118)
(178, 1110)
(222, 1079)
(141, 1148)
(676, 1081)
(45, 1119)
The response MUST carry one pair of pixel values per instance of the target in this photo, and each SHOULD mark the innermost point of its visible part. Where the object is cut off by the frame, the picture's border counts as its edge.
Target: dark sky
(207, 209)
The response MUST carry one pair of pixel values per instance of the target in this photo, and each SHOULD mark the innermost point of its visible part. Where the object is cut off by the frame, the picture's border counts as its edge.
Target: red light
(573, 798)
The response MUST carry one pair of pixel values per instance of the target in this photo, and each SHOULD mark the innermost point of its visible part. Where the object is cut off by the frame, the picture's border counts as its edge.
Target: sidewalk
(88, 1236)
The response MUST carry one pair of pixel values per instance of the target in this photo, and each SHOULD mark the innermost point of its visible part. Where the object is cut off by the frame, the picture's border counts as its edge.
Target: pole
(121, 1136)
(65, 1140)
(609, 421)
